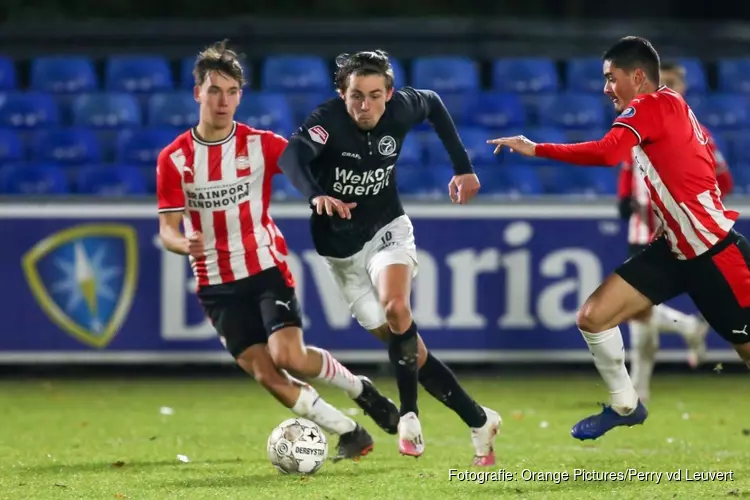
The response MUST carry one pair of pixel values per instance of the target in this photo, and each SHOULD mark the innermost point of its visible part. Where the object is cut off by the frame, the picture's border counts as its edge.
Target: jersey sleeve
(273, 146)
(641, 117)
(169, 192)
(316, 130)
(413, 105)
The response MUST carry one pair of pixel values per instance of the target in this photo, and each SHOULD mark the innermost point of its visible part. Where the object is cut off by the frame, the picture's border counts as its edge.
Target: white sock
(608, 351)
(335, 374)
(313, 407)
(667, 319)
(644, 343)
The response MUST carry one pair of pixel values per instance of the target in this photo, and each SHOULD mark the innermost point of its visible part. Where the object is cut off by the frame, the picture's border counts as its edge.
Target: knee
(398, 312)
(288, 358)
(591, 317)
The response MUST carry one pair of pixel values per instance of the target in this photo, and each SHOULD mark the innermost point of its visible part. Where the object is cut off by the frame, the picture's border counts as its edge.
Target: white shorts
(357, 276)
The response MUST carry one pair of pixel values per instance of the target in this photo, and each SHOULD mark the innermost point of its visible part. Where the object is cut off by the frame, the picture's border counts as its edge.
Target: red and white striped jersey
(679, 171)
(643, 222)
(224, 190)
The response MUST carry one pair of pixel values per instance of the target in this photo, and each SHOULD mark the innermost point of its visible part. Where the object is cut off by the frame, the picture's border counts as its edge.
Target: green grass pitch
(104, 439)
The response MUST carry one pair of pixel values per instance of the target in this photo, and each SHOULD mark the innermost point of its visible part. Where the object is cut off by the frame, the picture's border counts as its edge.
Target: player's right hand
(196, 247)
(331, 205)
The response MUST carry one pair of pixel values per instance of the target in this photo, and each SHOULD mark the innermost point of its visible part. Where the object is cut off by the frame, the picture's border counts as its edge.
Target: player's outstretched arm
(609, 151)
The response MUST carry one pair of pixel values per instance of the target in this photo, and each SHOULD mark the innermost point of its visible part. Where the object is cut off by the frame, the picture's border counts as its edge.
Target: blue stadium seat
(584, 74)
(445, 74)
(110, 180)
(474, 140)
(695, 75)
(289, 73)
(141, 147)
(172, 109)
(267, 111)
(32, 179)
(63, 74)
(496, 110)
(411, 151)
(187, 81)
(572, 111)
(67, 147)
(8, 74)
(525, 180)
(11, 147)
(495, 179)
(723, 111)
(134, 73)
(304, 103)
(734, 75)
(106, 110)
(741, 178)
(736, 148)
(28, 110)
(525, 75)
(282, 189)
(562, 179)
(601, 180)
(417, 181)
(400, 78)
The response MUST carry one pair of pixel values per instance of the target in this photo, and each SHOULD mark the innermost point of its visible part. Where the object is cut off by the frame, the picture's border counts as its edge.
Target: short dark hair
(369, 62)
(673, 66)
(217, 57)
(634, 52)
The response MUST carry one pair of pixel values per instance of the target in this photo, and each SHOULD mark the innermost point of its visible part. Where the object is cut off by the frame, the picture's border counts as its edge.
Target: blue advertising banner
(90, 283)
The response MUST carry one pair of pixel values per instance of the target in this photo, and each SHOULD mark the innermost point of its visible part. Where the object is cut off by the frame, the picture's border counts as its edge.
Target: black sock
(402, 351)
(439, 381)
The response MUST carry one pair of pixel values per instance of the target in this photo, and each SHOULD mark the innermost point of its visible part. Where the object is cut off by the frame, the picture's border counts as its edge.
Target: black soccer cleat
(354, 445)
(379, 408)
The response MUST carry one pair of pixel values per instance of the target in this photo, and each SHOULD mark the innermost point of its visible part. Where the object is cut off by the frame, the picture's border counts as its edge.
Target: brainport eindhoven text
(588, 475)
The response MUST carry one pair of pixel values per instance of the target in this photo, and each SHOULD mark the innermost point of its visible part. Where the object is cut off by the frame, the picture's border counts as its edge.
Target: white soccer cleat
(483, 439)
(410, 441)
(696, 342)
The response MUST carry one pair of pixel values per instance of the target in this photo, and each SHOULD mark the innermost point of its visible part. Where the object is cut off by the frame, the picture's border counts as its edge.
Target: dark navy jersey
(356, 165)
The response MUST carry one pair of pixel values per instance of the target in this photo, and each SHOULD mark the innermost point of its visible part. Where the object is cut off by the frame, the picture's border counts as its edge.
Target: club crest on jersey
(318, 134)
(84, 279)
(242, 163)
(628, 113)
(387, 145)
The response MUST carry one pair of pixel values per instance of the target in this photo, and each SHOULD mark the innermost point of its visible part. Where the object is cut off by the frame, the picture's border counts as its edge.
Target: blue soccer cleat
(597, 425)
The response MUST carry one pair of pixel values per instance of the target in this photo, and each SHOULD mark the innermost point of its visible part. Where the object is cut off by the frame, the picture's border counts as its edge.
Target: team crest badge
(84, 279)
(387, 146)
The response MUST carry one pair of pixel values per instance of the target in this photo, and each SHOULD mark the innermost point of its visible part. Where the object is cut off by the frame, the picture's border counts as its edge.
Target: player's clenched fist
(330, 205)
(463, 188)
(518, 144)
(196, 246)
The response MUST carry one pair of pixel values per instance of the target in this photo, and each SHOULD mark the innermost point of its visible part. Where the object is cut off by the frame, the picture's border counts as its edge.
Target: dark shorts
(634, 248)
(247, 311)
(718, 282)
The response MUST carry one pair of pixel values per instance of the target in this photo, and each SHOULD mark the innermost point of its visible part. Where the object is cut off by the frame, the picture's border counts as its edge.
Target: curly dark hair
(369, 62)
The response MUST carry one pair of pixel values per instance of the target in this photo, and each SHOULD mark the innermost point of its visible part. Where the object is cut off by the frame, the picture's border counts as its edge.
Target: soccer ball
(297, 446)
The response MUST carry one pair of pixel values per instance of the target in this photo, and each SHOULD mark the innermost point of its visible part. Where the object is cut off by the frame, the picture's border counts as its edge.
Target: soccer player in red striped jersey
(635, 207)
(215, 179)
(696, 250)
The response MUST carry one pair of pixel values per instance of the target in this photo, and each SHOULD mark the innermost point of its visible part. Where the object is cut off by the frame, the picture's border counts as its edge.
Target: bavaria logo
(628, 113)
(84, 279)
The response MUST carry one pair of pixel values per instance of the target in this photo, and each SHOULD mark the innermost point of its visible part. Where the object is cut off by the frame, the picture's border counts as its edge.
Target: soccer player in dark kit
(343, 159)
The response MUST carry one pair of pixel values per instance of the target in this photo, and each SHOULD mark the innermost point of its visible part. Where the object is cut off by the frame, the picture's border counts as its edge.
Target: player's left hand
(518, 144)
(462, 188)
